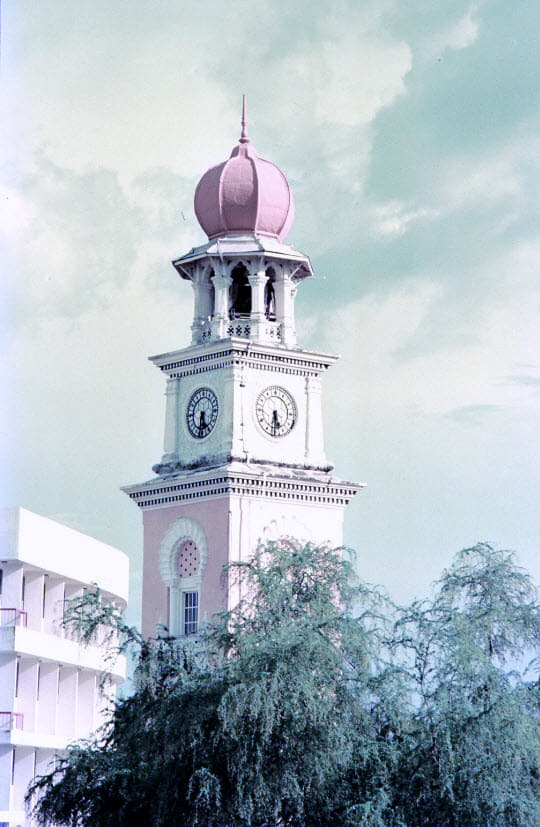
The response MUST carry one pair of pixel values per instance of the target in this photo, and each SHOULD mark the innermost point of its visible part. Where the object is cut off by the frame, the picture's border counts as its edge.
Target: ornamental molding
(283, 528)
(177, 365)
(331, 492)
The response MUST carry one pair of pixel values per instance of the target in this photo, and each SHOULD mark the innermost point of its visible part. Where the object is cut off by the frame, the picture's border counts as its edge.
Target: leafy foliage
(316, 701)
(473, 751)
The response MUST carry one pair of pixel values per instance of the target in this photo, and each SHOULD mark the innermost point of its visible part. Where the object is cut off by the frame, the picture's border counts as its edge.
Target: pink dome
(244, 194)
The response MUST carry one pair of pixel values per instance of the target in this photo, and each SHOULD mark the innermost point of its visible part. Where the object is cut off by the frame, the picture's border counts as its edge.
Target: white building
(49, 683)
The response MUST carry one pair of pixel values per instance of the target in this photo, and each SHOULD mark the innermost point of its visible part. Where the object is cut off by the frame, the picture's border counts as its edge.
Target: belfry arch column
(222, 283)
(202, 305)
(285, 291)
(257, 282)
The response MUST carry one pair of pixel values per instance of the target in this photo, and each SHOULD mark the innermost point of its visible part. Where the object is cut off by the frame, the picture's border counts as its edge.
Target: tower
(243, 457)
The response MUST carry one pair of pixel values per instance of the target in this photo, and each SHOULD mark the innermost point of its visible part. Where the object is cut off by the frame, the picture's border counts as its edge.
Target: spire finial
(244, 136)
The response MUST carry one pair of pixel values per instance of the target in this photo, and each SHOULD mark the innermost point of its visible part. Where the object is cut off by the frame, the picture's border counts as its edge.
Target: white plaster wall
(292, 448)
(5, 779)
(24, 770)
(253, 521)
(7, 681)
(60, 550)
(57, 692)
(237, 431)
(11, 596)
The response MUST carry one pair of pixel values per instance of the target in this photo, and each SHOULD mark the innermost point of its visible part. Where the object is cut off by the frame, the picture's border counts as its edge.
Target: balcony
(43, 646)
(13, 617)
(11, 720)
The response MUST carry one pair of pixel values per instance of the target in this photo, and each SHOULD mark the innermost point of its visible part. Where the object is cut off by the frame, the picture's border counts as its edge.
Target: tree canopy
(316, 701)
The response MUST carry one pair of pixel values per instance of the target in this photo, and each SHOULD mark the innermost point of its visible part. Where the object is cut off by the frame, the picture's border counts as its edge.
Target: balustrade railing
(11, 720)
(241, 325)
(13, 617)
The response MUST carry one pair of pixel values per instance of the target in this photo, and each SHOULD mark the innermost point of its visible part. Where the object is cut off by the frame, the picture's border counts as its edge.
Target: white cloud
(482, 181)
(394, 218)
(482, 178)
(344, 81)
(375, 334)
(457, 35)
(463, 33)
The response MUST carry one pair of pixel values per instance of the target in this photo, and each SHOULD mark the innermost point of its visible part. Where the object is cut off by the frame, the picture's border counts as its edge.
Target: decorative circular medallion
(202, 412)
(276, 411)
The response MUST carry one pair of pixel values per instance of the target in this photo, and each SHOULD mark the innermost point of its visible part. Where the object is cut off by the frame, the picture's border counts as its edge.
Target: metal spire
(244, 136)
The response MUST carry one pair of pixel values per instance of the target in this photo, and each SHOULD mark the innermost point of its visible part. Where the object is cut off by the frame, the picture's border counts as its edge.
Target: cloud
(74, 240)
(352, 78)
(424, 347)
(395, 219)
(459, 34)
(532, 382)
(138, 89)
(472, 414)
(482, 179)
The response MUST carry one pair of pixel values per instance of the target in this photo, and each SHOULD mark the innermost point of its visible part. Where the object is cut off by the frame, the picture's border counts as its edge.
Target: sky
(409, 135)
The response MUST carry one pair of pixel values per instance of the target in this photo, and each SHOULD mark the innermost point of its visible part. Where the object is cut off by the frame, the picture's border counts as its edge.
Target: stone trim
(178, 532)
(287, 361)
(333, 492)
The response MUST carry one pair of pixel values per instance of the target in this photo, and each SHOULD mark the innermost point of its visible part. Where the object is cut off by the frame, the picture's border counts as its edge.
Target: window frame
(190, 613)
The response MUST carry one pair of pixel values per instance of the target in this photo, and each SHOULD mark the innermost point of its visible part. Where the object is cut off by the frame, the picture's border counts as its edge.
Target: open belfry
(244, 459)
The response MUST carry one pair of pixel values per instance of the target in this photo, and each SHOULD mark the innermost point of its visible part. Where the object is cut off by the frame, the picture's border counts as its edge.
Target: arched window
(211, 296)
(270, 295)
(183, 556)
(240, 293)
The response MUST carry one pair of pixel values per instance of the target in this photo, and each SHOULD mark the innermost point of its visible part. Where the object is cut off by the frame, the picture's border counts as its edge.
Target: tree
(315, 701)
(251, 725)
(472, 752)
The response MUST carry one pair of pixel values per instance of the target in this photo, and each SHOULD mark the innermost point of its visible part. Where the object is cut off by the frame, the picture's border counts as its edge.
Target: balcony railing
(13, 617)
(11, 720)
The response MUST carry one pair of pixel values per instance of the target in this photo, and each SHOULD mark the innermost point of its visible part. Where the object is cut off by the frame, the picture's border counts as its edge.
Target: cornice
(235, 351)
(231, 246)
(313, 487)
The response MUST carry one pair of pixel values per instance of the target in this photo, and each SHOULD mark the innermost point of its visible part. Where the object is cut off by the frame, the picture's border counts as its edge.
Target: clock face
(276, 411)
(201, 413)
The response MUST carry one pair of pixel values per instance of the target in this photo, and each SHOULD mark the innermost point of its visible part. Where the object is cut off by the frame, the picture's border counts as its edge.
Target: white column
(257, 283)
(314, 422)
(234, 438)
(285, 292)
(201, 307)
(222, 282)
(170, 442)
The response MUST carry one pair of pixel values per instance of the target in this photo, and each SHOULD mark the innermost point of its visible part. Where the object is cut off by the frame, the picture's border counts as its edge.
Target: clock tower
(243, 459)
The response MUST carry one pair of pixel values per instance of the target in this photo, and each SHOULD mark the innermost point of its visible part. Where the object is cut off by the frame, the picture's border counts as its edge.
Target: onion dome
(244, 194)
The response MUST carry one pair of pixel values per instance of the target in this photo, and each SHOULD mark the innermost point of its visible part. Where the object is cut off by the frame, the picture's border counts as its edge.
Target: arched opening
(270, 295)
(183, 556)
(211, 295)
(240, 293)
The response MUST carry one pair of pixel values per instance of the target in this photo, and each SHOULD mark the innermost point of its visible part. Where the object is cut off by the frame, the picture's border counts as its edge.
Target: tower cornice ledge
(199, 358)
(174, 466)
(245, 480)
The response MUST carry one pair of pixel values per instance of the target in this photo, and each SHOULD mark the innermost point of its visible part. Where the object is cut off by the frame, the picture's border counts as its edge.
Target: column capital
(257, 278)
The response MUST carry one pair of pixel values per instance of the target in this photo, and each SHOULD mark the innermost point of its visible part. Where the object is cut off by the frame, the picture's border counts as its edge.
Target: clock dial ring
(276, 412)
(202, 412)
